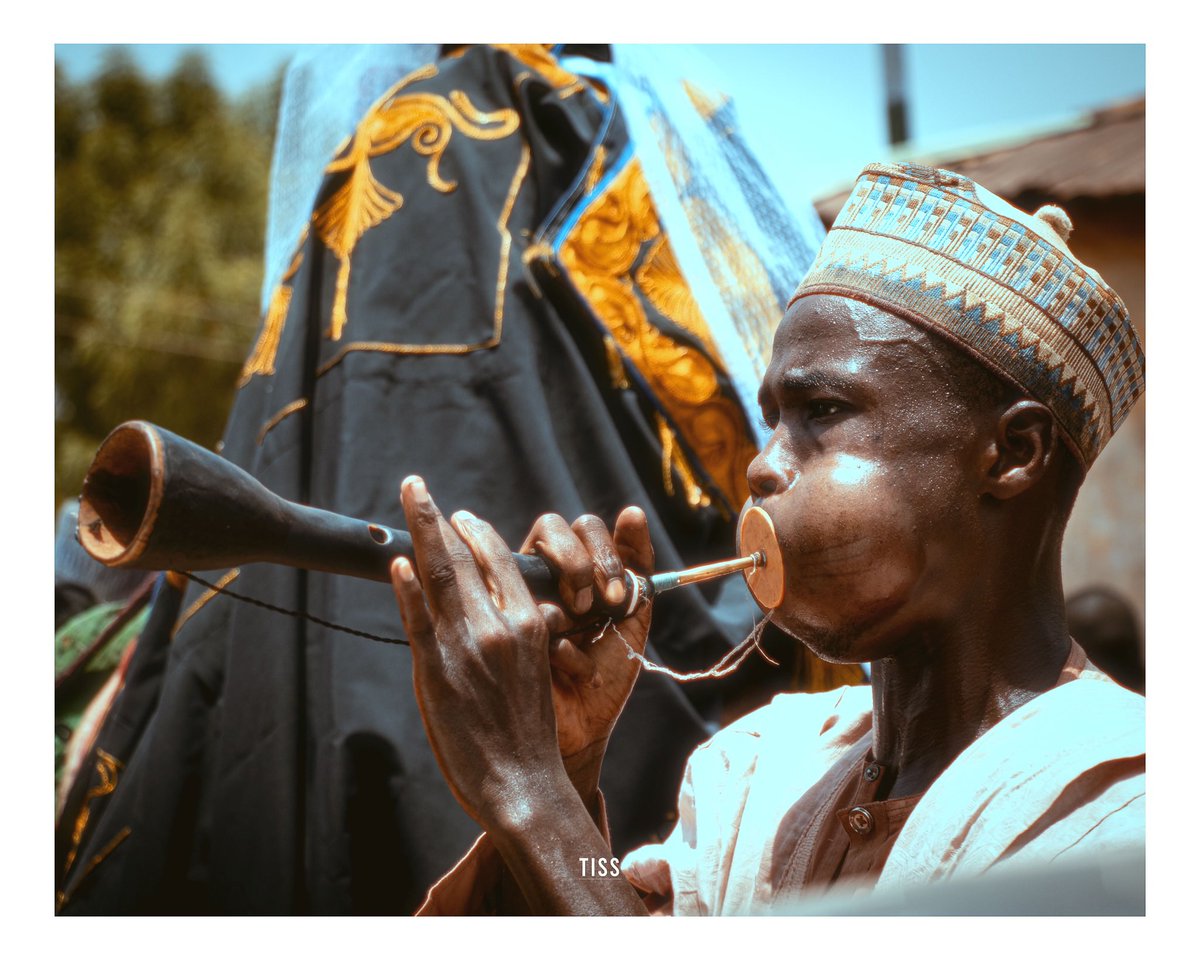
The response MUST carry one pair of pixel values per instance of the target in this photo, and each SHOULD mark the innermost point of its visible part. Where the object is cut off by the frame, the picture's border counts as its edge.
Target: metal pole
(897, 100)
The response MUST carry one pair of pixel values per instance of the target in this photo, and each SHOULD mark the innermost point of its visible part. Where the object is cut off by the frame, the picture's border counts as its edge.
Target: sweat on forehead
(869, 323)
(823, 337)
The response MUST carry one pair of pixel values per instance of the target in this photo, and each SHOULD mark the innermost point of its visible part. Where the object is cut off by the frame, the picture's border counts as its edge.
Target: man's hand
(481, 664)
(501, 701)
(483, 678)
(591, 671)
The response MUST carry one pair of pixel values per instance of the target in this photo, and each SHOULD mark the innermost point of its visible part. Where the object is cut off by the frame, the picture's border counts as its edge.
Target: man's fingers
(553, 538)
(444, 564)
(556, 621)
(411, 598)
(499, 570)
(570, 660)
(632, 538)
(609, 575)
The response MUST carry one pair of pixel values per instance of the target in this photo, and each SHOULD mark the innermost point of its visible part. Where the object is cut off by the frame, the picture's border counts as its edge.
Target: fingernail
(417, 486)
(464, 522)
(614, 593)
(404, 569)
(583, 600)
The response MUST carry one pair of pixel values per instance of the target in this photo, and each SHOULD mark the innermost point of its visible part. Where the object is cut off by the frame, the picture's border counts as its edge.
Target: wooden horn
(152, 500)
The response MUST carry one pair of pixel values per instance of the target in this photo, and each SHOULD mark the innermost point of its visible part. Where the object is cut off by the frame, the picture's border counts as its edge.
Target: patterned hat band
(944, 253)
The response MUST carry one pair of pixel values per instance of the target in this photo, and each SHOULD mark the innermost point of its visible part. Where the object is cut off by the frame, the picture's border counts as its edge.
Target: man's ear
(1020, 450)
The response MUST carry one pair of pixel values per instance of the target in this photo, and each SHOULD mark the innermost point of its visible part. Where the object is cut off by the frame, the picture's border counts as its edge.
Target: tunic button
(871, 772)
(861, 821)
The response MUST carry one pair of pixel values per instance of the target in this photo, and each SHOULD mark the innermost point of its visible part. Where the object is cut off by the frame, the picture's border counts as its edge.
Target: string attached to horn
(722, 668)
(298, 614)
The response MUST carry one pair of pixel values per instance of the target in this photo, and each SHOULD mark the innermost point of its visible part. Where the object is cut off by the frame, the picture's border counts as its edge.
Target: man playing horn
(939, 385)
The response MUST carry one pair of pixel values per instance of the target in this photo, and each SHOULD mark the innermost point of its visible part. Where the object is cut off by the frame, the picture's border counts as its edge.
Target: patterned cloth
(941, 251)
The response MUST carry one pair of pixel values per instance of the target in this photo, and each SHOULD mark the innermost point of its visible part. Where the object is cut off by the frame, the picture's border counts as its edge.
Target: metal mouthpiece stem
(661, 582)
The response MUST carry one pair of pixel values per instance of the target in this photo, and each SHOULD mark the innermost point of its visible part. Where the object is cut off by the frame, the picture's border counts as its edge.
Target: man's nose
(766, 475)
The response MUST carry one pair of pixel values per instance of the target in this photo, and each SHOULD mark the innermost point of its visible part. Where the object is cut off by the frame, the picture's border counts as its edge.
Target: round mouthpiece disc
(756, 534)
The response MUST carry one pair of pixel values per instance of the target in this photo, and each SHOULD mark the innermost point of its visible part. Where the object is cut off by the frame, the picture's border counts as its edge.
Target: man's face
(867, 477)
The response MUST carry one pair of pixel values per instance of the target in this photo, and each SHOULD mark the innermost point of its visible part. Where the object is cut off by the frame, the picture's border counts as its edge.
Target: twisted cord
(293, 613)
(722, 668)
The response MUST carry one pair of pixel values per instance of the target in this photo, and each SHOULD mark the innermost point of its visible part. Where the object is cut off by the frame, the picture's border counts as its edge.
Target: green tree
(160, 204)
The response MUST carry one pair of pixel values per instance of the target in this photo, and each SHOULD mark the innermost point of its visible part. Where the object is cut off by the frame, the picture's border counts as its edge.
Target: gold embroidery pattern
(595, 171)
(283, 413)
(121, 837)
(543, 252)
(427, 121)
(107, 767)
(598, 254)
(674, 461)
(662, 282)
(261, 361)
(505, 118)
(411, 349)
(191, 611)
(616, 366)
(538, 57)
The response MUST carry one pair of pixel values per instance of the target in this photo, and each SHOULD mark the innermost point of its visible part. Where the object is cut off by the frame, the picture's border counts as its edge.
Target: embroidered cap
(943, 252)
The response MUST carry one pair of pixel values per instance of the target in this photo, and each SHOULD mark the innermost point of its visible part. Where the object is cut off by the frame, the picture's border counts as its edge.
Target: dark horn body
(155, 501)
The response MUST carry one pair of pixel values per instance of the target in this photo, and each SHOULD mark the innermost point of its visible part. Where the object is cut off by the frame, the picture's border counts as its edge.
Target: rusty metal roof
(1102, 156)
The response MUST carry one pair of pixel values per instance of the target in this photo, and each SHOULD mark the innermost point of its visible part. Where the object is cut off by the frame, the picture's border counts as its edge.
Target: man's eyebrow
(802, 381)
(806, 381)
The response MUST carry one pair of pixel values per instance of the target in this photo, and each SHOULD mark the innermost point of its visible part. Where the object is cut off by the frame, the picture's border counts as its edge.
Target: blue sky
(815, 113)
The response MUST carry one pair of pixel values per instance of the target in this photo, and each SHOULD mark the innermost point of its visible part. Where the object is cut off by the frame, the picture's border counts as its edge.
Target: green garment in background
(70, 642)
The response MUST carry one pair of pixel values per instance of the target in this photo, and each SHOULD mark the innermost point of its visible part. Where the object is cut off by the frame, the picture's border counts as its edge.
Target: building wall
(1106, 537)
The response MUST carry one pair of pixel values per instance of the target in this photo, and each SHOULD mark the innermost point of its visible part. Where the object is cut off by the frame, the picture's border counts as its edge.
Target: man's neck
(956, 680)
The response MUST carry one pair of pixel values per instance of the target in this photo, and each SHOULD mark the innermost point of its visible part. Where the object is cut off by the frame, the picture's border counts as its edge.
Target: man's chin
(832, 644)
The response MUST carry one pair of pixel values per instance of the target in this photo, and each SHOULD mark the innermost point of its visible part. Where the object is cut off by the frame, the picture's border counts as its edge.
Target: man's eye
(820, 409)
(768, 421)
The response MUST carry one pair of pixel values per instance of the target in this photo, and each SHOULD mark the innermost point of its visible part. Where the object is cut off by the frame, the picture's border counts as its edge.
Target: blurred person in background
(1105, 625)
